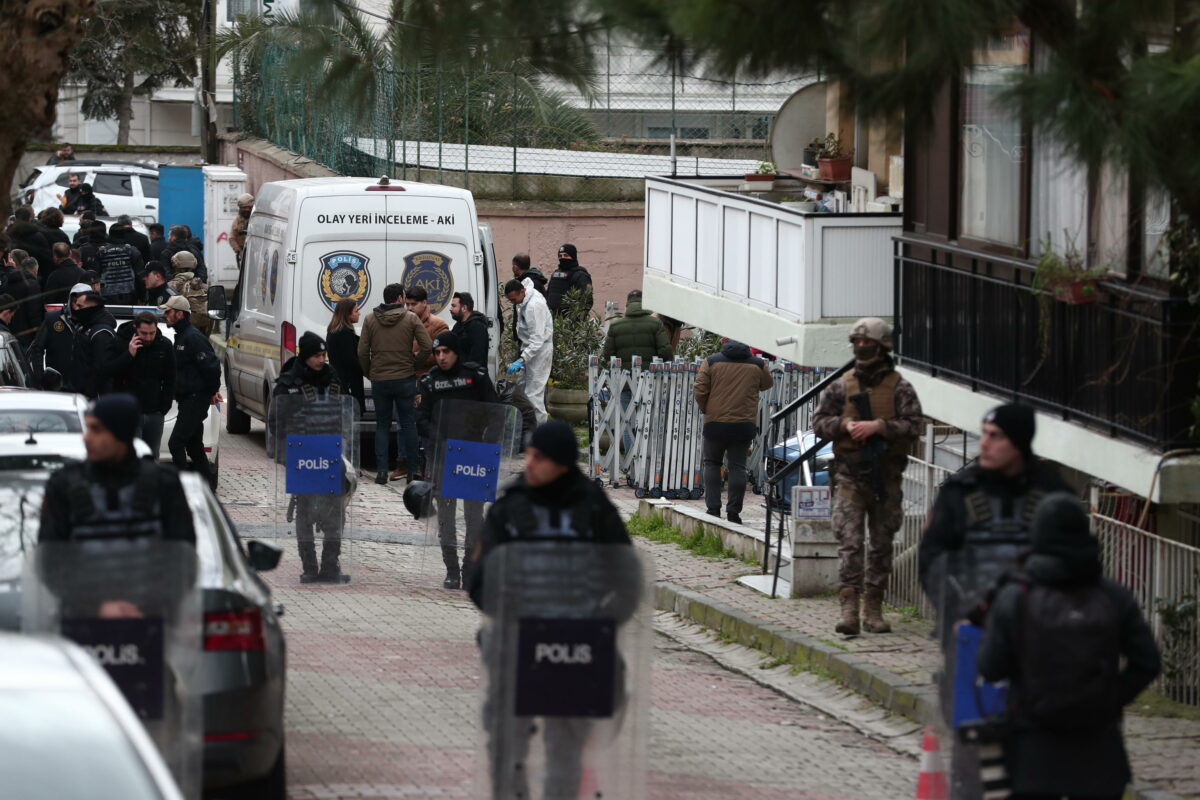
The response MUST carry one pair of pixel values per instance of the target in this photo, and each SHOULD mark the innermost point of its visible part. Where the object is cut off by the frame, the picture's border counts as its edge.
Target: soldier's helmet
(418, 499)
(875, 329)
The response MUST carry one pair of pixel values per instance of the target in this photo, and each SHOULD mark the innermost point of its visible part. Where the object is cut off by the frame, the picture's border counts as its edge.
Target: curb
(917, 702)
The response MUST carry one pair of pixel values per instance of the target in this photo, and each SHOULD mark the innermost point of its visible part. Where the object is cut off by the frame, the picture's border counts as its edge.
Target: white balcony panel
(683, 237)
(735, 266)
(790, 282)
(708, 236)
(751, 253)
(763, 259)
(658, 238)
(854, 279)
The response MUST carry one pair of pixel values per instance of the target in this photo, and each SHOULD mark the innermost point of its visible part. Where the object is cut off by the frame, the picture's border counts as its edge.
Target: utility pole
(208, 97)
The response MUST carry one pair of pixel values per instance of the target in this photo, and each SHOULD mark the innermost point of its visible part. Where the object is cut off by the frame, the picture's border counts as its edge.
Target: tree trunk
(33, 61)
(125, 108)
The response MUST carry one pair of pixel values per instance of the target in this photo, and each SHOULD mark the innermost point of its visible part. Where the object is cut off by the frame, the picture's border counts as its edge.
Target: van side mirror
(218, 306)
(262, 556)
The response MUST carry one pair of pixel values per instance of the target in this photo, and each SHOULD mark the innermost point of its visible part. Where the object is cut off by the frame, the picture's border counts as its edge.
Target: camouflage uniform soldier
(870, 455)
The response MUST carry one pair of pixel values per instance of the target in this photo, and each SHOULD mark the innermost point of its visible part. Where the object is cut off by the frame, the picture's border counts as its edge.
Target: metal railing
(920, 484)
(1164, 576)
(1126, 364)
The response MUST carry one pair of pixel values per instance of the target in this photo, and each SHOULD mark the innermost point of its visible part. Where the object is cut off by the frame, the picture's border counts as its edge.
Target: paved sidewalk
(895, 670)
(384, 676)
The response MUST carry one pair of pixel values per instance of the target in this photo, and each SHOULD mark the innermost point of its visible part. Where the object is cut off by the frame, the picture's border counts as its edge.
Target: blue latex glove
(516, 367)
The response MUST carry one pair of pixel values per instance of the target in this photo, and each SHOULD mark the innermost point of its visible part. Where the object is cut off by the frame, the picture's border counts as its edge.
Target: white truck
(315, 241)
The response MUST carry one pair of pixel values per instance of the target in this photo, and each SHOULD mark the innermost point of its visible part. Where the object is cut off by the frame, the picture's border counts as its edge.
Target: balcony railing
(800, 266)
(1126, 365)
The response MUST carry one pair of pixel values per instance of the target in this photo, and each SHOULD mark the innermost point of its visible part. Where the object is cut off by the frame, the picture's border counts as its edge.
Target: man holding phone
(146, 370)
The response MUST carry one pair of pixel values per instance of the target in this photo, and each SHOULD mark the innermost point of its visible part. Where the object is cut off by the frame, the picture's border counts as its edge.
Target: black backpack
(1069, 648)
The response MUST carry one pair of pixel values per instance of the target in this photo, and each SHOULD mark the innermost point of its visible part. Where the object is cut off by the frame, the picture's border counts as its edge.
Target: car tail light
(287, 342)
(374, 188)
(234, 630)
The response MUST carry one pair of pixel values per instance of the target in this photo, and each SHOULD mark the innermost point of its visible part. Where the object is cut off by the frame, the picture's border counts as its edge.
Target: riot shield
(316, 475)
(566, 655)
(972, 710)
(134, 605)
(471, 455)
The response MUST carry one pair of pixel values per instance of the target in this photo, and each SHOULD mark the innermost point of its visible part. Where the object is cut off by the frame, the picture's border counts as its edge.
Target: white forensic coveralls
(535, 332)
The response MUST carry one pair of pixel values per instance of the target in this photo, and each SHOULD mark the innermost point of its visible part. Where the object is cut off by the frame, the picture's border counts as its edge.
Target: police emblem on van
(344, 276)
(430, 271)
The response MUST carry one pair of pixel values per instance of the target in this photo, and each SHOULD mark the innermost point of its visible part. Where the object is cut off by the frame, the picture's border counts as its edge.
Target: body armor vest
(130, 511)
(883, 406)
(993, 544)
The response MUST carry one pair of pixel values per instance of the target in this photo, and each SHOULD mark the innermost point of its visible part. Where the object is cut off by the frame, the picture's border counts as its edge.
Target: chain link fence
(516, 135)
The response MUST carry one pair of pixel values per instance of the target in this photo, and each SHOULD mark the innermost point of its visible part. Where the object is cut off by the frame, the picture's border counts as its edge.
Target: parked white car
(124, 187)
(50, 424)
(68, 732)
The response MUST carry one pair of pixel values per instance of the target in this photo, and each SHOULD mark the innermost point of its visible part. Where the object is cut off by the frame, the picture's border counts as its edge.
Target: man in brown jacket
(867, 479)
(388, 358)
(417, 300)
(727, 391)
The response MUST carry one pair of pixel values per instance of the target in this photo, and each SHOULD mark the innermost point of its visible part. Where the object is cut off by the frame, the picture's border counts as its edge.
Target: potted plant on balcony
(802, 203)
(834, 162)
(1066, 277)
(763, 177)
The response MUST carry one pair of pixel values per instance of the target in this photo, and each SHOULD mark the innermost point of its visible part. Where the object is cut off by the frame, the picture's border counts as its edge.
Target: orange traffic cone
(931, 782)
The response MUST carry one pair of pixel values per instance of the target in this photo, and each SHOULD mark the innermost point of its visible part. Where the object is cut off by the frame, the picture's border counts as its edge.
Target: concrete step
(763, 583)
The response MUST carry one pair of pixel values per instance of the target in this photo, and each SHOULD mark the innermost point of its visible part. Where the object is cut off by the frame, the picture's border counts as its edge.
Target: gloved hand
(516, 367)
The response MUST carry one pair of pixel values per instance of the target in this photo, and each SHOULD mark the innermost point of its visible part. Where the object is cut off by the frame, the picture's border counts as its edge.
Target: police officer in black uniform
(114, 494)
(568, 276)
(452, 379)
(978, 530)
(197, 386)
(53, 347)
(552, 501)
(119, 265)
(308, 374)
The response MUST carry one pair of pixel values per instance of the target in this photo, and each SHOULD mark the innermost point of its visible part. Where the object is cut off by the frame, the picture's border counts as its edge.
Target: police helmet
(418, 498)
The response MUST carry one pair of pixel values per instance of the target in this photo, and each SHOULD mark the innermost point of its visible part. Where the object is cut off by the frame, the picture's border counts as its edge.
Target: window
(113, 183)
(235, 7)
(28, 420)
(993, 145)
(149, 186)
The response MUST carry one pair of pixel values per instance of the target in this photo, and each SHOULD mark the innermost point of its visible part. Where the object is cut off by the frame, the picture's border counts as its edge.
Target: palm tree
(317, 79)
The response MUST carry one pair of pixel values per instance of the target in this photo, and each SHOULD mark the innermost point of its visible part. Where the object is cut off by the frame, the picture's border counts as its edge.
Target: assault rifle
(874, 449)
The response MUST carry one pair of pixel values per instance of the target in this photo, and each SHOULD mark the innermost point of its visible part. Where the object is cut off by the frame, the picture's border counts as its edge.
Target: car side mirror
(263, 557)
(218, 306)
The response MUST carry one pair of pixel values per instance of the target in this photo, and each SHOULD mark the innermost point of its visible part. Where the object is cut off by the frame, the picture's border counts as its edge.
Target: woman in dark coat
(342, 342)
(1078, 758)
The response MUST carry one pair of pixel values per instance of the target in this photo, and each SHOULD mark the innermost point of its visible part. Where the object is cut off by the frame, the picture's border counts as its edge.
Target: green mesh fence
(514, 135)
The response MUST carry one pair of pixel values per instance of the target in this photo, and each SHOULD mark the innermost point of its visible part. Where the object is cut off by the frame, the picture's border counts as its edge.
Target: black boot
(331, 551)
(453, 576)
(308, 560)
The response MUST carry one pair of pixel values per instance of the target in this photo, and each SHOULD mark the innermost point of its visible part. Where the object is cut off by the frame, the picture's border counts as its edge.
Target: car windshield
(20, 515)
(46, 729)
(29, 420)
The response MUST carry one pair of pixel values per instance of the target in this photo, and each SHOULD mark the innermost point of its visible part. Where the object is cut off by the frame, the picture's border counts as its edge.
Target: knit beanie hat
(449, 341)
(569, 250)
(556, 441)
(1018, 424)
(310, 345)
(119, 413)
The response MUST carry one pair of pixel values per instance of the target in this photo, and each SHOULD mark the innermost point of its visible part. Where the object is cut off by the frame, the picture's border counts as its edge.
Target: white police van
(315, 241)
